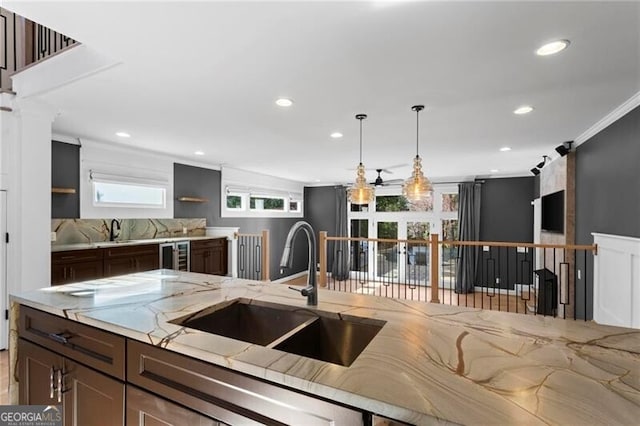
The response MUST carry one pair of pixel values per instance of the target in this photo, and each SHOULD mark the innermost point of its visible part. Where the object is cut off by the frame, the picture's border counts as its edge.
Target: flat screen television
(553, 212)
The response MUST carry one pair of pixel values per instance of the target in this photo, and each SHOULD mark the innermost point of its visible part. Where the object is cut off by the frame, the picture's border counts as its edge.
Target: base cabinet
(209, 256)
(146, 409)
(86, 396)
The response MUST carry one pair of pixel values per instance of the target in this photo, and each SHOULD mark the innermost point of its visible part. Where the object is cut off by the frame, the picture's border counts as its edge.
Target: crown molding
(608, 119)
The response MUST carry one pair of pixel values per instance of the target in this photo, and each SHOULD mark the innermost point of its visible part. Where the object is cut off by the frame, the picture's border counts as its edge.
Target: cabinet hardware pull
(59, 386)
(51, 387)
(61, 337)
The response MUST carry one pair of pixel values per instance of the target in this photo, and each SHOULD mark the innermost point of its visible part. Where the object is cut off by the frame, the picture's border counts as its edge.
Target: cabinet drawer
(146, 249)
(96, 348)
(76, 256)
(225, 395)
(143, 409)
(205, 244)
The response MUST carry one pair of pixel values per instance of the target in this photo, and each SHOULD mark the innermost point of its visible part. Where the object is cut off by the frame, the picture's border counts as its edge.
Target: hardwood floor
(494, 302)
(4, 377)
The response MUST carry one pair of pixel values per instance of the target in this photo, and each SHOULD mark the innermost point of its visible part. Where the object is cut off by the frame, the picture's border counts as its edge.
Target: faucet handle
(303, 291)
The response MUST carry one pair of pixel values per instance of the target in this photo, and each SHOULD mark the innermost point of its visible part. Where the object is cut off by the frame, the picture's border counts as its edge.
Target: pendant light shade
(417, 187)
(361, 192)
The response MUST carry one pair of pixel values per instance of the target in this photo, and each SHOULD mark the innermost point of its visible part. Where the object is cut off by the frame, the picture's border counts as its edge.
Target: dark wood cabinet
(55, 370)
(87, 397)
(146, 409)
(76, 265)
(130, 259)
(209, 256)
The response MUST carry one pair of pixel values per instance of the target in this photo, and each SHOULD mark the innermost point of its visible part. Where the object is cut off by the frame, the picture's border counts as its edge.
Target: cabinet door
(198, 261)
(118, 266)
(217, 260)
(58, 274)
(37, 369)
(83, 271)
(91, 398)
(145, 409)
(146, 262)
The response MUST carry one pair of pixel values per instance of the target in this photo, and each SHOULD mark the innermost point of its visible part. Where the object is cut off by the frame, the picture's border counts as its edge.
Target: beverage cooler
(175, 256)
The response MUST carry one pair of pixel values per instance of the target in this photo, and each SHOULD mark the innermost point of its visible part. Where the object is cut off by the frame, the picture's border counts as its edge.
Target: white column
(26, 153)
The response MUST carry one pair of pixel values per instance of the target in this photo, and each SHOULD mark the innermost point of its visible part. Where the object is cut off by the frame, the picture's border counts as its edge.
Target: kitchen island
(428, 363)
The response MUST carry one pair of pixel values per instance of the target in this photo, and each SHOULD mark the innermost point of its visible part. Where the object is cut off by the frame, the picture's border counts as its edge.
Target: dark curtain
(469, 230)
(340, 267)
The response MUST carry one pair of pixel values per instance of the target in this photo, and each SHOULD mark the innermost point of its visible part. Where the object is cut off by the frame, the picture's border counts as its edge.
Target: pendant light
(417, 187)
(361, 192)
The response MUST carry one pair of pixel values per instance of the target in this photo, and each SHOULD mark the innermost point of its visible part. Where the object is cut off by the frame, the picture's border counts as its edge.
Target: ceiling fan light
(417, 187)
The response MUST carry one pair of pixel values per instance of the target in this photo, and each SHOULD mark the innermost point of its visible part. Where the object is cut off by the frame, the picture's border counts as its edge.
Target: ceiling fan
(381, 182)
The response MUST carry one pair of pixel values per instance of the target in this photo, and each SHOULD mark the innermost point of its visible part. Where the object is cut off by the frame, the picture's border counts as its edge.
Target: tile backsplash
(73, 231)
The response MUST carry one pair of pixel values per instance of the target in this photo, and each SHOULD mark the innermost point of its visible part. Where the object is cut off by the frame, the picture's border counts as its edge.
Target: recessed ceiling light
(336, 135)
(525, 109)
(317, 180)
(553, 47)
(494, 170)
(199, 153)
(505, 149)
(284, 102)
(123, 134)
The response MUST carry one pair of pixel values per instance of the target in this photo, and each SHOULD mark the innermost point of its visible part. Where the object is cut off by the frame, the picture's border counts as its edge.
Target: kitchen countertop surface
(428, 362)
(119, 243)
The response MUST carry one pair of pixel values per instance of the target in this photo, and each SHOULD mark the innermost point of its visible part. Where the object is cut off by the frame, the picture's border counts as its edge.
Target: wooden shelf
(193, 199)
(55, 190)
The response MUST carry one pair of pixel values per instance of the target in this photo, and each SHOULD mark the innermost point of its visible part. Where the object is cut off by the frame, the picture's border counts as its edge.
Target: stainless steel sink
(338, 341)
(314, 334)
(242, 320)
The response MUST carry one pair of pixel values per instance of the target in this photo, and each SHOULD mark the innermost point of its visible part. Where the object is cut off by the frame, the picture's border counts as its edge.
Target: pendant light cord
(360, 140)
(417, 130)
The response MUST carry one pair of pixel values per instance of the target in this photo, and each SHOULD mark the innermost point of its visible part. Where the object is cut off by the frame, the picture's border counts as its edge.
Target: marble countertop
(117, 243)
(429, 362)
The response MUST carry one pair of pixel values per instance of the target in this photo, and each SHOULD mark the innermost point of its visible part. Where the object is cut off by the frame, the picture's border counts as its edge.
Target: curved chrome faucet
(311, 290)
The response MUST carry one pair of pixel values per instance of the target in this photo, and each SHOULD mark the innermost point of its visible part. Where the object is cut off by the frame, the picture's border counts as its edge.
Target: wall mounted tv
(553, 212)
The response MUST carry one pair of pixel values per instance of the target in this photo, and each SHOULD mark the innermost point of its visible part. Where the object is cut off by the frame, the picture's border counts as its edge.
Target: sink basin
(250, 322)
(314, 334)
(338, 341)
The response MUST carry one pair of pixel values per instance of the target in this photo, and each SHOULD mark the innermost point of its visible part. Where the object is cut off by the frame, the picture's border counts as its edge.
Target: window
(266, 203)
(111, 194)
(244, 201)
(234, 202)
(449, 202)
(294, 206)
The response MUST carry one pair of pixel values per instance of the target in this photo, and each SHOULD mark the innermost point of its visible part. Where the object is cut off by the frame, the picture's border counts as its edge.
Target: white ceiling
(204, 76)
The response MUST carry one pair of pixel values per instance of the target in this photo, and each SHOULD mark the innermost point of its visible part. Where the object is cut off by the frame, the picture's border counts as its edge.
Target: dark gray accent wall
(506, 214)
(190, 181)
(607, 190)
(320, 212)
(201, 182)
(65, 173)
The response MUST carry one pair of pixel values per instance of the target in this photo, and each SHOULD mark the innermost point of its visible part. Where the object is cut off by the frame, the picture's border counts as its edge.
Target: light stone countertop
(428, 362)
(104, 244)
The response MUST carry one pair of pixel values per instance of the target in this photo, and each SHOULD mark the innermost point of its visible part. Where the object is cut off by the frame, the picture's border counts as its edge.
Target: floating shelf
(55, 190)
(193, 199)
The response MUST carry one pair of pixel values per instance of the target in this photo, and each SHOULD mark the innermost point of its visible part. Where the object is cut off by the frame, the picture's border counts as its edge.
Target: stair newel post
(434, 268)
(322, 246)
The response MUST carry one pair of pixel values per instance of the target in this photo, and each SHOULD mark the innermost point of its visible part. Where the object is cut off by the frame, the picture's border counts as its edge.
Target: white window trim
(247, 192)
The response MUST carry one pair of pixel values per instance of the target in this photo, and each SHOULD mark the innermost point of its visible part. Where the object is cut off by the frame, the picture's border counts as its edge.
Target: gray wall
(65, 173)
(607, 190)
(320, 212)
(506, 214)
(201, 182)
